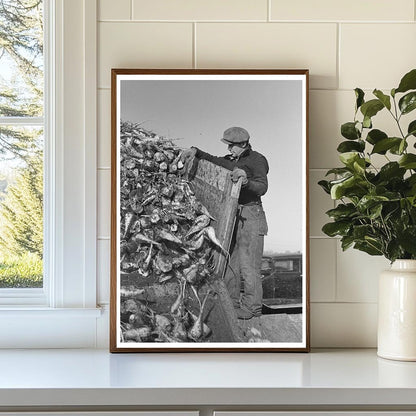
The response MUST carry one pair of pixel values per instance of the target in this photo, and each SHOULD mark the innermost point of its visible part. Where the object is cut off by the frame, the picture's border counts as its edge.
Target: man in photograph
(251, 226)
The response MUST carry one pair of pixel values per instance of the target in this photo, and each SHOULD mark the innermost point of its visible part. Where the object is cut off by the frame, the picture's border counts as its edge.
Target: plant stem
(397, 118)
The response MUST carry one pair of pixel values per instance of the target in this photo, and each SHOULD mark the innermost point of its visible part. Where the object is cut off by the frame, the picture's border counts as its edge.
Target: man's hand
(237, 173)
(188, 154)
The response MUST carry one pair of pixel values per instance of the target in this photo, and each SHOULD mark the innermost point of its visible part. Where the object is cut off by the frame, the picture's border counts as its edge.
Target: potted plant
(376, 206)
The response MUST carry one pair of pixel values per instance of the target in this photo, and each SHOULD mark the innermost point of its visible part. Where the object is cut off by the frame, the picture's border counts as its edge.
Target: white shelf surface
(97, 378)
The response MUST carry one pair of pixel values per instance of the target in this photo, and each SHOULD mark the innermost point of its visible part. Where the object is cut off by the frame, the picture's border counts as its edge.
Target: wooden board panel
(213, 187)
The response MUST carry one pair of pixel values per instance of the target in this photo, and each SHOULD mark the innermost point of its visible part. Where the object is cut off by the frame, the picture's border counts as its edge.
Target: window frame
(70, 206)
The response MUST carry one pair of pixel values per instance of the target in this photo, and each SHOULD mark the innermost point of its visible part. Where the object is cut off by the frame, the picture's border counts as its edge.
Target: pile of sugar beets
(166, 237)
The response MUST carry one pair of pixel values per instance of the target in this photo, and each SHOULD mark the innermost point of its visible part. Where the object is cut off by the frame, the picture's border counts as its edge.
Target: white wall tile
(104, 202)
(328, 110)
(104, 129)
(319, 203)
(340, 10)
(323, 269)
(349, 325)
(357, 275)
(200, 10)
(376, 55)
(372, 55)
(114, 10)
(103, 271)
(258, 45)
(142, 45)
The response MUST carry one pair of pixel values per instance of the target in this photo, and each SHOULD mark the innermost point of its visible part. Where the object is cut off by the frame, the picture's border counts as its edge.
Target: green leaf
(385, 99)
(350, 146)
(368, 248)
(338, 171)
(325, 186)
(346, 242)
(360, 231)
(354, 161)
(412, 201)
(348, 158)
(369, 201)
(411, 130)
(408, 82)
(408, 161)
(411, 182)
(408, 102)
(359, 95)
(407, 239)
(375, 135)
(398, 149)
(333, 229)
(342, 211)
(391, 170)
(367, 122)
(393, 250)
(359, 166)
(383, 145)
(371, 108)
(338, 189)
(375, 243)
(375, 211)
(350, 131)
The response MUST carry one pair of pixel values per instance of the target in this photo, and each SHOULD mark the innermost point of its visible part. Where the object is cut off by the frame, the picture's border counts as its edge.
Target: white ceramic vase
(397, 312)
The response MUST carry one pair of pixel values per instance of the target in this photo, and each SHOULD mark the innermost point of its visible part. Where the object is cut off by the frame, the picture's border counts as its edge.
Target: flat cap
(235, 135)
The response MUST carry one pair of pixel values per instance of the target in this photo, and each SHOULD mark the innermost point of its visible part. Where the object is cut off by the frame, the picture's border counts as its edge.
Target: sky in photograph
(197, 113)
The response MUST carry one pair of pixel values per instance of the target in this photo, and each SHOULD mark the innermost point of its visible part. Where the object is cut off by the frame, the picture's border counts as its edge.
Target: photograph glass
(209, 218)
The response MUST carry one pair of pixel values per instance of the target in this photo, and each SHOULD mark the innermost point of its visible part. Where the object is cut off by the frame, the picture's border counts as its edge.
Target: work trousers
(245, 260)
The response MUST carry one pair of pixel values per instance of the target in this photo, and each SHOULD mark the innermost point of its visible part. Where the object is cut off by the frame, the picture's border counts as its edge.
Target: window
(22, 128)
(63, 312)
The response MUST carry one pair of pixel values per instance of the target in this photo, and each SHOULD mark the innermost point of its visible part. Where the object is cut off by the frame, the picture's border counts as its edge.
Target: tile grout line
(306, 22)
(323, 237)
(194, 62)
(319, 169)
(355, 302)
(131, 9)
(310, 89)
(338, 63)
(336, 270)
(269, 11)
(338, 242)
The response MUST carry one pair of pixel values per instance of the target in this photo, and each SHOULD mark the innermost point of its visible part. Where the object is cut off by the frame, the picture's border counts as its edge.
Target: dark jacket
(253, 163)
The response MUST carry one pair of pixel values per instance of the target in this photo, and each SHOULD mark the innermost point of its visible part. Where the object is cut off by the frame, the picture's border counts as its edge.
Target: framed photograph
(209, 211)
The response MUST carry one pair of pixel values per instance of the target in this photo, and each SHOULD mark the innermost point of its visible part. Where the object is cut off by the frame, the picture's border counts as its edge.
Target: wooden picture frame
(175, 213)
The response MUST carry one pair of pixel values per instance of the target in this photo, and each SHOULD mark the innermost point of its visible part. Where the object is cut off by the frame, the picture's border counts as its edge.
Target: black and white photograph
(209, 216)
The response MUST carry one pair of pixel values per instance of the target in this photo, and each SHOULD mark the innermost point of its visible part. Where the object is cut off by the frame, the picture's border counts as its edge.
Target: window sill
(39, 327)
(37, 311)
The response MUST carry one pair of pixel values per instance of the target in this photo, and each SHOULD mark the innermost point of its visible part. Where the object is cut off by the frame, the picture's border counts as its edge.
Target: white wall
(345, 44)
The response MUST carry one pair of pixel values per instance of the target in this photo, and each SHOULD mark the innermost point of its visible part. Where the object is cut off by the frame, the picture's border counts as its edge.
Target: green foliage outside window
(21, 146)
